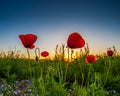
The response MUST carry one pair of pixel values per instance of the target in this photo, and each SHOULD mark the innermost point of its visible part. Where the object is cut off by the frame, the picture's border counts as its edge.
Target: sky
(98, 22)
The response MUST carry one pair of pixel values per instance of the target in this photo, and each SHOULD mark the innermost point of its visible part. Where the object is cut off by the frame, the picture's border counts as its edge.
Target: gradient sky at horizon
(98, 21)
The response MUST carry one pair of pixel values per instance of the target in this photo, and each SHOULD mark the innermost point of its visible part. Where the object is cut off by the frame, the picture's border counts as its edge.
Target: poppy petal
(44, 54)
(109, 52)
(75, 40)
(22, 40)
(89, 59)
(28, 40)
(33, 46)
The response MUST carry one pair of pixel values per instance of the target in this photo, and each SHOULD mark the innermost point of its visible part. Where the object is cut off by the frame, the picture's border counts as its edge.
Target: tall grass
(62, 78)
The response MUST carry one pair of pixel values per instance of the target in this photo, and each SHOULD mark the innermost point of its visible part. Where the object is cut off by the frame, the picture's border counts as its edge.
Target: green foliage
(56, 77)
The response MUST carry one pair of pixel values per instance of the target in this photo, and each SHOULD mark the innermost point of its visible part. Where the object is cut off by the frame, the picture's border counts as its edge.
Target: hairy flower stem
(37, 54)
(68, 55)
(89, 72)
(107, 73)
(28, 53)
(65, 76)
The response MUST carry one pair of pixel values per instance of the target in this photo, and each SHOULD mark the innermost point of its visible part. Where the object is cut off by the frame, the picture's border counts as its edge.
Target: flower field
(82, 75)
(48, 77)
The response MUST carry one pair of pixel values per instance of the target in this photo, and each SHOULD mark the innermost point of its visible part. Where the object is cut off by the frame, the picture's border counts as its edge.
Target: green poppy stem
(108, 71)
(72, 54)
(28, 53)
(68, 54)
(89, 73)
(37, 50)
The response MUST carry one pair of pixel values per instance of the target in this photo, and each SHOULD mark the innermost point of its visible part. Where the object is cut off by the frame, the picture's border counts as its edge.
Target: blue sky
(98, 21)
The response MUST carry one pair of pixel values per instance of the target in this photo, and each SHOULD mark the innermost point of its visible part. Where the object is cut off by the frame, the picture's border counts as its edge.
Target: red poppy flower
(44, 54)
(109, 52)
(75, 40)
(28, 40)
(89, 59)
